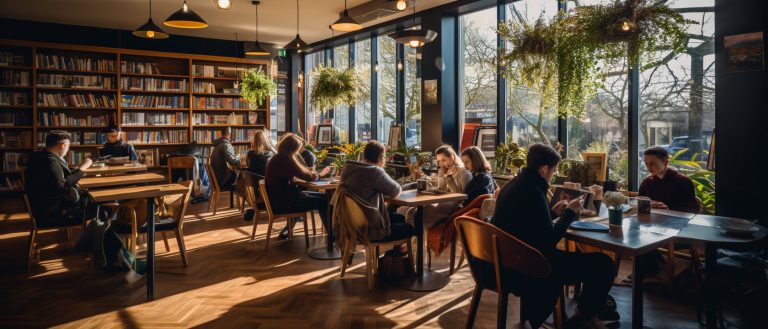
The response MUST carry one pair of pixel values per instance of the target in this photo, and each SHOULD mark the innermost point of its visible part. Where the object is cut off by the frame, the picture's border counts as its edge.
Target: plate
(739, 228)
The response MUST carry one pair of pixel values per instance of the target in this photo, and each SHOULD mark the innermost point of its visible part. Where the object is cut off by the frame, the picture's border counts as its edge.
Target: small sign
(282, 53)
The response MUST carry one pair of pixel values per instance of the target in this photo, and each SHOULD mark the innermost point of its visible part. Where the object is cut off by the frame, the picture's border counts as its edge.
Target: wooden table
(424, 280)
(329, 252)
(149, 192)
(643, 233)
(108, 181)
(114, 170)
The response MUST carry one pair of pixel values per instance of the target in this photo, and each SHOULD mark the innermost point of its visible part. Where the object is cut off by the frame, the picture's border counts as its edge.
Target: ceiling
(277, 18)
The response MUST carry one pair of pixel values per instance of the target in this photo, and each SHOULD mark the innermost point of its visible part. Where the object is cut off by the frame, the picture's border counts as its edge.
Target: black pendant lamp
(149, 30)
(185, 18)
(346, 23)
(297, 44)
(415, 37)
(256, 49)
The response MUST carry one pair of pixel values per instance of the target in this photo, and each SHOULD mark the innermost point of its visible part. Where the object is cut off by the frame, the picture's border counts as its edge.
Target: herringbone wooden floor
(232, 283)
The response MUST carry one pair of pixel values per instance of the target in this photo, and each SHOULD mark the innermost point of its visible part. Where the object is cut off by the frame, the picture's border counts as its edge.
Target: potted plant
(510, 157)
(331, 87)
(257, 85)
(614, 201)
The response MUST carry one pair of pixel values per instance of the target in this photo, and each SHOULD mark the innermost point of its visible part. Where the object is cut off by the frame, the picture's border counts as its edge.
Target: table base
(322, 253)
(429, 281)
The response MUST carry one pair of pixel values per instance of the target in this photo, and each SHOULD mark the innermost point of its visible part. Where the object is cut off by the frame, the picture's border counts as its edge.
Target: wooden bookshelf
(75, 74)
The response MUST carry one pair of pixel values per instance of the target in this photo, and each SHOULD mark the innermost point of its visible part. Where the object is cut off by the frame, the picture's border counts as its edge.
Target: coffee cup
(643, 205)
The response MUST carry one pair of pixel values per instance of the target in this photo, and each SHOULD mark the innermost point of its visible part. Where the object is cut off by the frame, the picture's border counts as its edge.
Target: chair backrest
(265, 197)
(352, 224)
(251, 182)
(488, 243)
(212, 177)
(29, 210)
(474, 204)
(183, 162)
(185, 200)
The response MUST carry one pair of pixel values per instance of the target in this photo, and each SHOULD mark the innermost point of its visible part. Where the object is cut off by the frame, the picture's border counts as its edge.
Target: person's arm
(688, 198)
(301, 173)
(230, 157)
(386, 185)
(568, 217)
(132, 153)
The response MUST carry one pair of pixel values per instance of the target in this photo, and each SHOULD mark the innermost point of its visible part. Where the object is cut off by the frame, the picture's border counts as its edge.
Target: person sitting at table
(223, 156)
(284, 194)
(667, 188)
(260, 153)
(482, 182)
(522, 210)
(306, 156)
(115, 146)
(451, 177)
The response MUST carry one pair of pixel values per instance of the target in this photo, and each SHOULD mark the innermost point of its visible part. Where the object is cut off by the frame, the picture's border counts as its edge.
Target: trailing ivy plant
(256, 86)
(331, 87)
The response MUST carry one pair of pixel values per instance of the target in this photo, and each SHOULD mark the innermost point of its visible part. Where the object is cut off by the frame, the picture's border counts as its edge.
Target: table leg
(330, 252)
(710, 294)
(637, 292)
(150, 249)
(423, 280)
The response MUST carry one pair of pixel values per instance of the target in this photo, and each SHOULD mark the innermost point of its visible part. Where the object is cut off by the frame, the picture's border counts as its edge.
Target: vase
(615, 216)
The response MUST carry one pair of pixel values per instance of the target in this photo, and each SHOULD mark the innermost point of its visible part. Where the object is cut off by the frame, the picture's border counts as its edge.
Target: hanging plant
(331, 87)
(631, 29)
(257, 85)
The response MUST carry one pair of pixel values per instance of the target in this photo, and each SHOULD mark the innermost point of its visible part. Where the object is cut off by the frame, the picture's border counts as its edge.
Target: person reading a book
(522, 210)
(667, 188)
(223, 156)
(116, 146)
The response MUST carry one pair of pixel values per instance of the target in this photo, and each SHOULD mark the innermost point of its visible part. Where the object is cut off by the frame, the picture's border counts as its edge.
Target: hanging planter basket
(332, 87)
(257, 85)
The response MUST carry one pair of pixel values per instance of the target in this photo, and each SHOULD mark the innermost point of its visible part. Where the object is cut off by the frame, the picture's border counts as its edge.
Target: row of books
(14, 78)
(149, 157)
(216, 71)
(206, 136)
(240, 149)
(139, 67)
(152, 84)
(76, 156)
(66, 62)
(153, 101)
(152, 119)
(219, 103)
(78, 138)
(156, 136)
(75, 100)
(15, 138)
(53, 119)
(8, 58)
(12, 160)
(14, 98)
(223, 119)
(75, 81)
(15, 118)
(210, 88)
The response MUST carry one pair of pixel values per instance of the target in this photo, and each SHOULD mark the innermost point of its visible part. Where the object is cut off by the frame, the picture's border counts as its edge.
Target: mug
(421, 185)
(643, 205)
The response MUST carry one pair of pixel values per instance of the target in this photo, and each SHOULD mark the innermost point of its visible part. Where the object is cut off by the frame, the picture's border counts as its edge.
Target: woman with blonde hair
(284, 194)
(260, 153)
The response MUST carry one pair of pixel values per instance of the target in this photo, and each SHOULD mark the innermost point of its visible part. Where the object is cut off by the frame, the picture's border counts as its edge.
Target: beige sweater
(457, 182)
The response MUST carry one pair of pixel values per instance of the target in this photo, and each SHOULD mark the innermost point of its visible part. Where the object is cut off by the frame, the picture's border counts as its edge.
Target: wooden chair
(289, 216)
(474, 208)
(485, 243)
(33, 253)
(174, 223)
(216, 190)
(356, 222)
(252, 195)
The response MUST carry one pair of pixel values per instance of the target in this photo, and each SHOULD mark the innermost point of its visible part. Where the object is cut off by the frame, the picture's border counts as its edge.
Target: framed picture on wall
(485, 140)
(324, 135)
(598, 165)
(745, 52)
(395, 136)
(430, 91)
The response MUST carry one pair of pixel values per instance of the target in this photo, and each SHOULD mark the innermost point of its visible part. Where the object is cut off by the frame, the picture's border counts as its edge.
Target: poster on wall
(430, 92)
(746, 52)
(485, 140)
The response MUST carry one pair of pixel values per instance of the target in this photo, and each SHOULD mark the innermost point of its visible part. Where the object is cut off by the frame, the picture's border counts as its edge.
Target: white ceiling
(277, 18)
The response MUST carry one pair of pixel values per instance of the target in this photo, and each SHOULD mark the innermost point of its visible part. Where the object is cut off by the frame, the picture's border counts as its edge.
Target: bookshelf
(162, 101)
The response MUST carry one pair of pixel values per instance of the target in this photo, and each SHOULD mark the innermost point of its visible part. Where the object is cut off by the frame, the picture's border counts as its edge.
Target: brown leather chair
(485, 243)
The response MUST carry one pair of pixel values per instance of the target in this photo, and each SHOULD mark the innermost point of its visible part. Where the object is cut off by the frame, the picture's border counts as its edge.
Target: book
(66, 62)
(75, 81)
(75, 100)
(152, 84)
(219, 103)
(153, 101)
(152, 119)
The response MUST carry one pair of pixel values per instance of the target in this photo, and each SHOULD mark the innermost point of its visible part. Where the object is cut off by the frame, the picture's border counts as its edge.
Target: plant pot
(615, 216)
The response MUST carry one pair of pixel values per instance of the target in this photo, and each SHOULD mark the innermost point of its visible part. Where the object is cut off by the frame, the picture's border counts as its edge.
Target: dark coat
(118, 149)
(50, 186)
(481, 183)
(223, 154)
(257, 162)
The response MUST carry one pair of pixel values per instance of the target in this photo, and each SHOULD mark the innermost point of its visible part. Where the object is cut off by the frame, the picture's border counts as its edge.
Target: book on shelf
(152, 119)
(75, 100)
(153, 101)
(156, 136)
(15, 78)
(13, 160)
(14, 98)
(149, 157)
(53, 119)
(78, 138)
(240, 150)
(66, 62)
(136, 67)
(225, 119)
(8, 58)
(152, 84)
(75, 81)
(219, 103)
(203, 87)
(206, 136)
(74, 157)
(15, 118)
(218, 71)
(16, 138)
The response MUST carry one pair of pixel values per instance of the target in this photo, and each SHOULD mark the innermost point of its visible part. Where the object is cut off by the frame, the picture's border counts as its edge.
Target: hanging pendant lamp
(224, 4)
(256, 49)
(185, 18)
(297, 44)
(149, 30)
(346, 23)
(415, 37)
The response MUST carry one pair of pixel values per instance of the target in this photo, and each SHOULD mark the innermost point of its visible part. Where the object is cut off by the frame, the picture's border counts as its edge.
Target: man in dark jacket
(50, 184)
(115, 146)
(667, 188)
(522, 210)
(223, 156)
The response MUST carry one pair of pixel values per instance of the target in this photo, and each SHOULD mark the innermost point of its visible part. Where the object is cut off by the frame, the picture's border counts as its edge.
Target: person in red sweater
(667, 188)
(282, 171)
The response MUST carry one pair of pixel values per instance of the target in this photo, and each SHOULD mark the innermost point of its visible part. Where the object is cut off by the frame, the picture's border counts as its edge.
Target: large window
(341, 112)
(412, 98)
(313, 115)
(478, 71)
(363, 105)
(386, 86)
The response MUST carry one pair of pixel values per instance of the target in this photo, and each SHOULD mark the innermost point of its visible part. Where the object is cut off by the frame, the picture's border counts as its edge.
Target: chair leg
(312, 213)
(32, 251)
(289, 224)
(369, 267)
(269, 233)
(165, 241)
(501, 313)
(560, 315)
(306, 231)
(670, 266)
(69, 233)
(255, 220)
(473, 305)
(231, 198)
(429, 258)
(411, 261)
(452, 260)
(344, 258)
(182, 247)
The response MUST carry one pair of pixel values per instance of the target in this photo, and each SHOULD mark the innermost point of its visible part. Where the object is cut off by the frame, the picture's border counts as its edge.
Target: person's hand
(576, 205)
(85, 164)
(325, 171)
(559, 207)
(658, 205)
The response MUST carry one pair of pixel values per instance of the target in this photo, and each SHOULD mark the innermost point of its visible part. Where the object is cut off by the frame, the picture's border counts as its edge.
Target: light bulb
(625, 26)
(185, 7)
(414, 43)
(400, 66)
(401, 5)
(376, 67)
(150, 34)
(224, 4)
